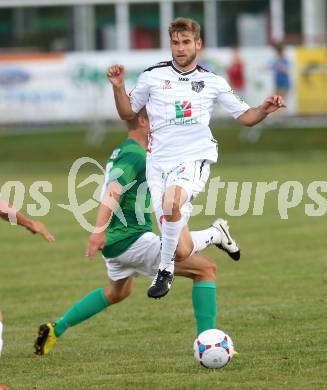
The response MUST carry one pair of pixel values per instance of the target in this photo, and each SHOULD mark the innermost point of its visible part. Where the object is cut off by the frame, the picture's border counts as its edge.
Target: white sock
(1, 341)
(170, 232)
(203, 238)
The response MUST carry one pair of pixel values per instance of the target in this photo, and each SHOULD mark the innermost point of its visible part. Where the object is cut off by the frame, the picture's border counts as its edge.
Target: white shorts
(190, 175)
(141, 258)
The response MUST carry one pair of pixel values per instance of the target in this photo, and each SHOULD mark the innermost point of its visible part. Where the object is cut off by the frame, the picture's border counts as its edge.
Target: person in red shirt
(235, 73)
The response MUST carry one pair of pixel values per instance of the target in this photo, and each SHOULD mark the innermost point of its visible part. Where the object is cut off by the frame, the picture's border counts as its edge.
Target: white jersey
(179, 107)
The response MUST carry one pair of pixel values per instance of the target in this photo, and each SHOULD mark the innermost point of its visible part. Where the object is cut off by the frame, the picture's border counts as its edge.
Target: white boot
(227, 244)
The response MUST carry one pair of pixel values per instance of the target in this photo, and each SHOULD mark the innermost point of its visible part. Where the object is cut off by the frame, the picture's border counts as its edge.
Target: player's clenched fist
(116, 75)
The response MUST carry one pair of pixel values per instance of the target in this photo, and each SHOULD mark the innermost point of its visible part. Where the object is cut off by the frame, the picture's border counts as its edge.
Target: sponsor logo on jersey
(197, 86)
(183, 112)
(166, 84)
(183, 109)
(183, 121)
(183, 79)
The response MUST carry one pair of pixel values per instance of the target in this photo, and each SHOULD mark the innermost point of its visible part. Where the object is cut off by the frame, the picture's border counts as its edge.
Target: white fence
(73, 87)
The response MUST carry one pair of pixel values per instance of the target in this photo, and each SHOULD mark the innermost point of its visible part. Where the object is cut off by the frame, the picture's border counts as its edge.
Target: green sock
(204, 305)
(88, 306)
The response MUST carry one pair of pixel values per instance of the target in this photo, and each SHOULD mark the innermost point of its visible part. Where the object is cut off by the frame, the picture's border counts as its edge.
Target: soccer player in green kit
(129, 246)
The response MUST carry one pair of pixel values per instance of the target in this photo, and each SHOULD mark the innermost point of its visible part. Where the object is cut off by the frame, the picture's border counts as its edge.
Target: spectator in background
(235, 73)
(280, 67)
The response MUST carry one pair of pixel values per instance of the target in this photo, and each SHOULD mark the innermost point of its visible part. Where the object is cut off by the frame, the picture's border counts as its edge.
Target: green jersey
(131, 218)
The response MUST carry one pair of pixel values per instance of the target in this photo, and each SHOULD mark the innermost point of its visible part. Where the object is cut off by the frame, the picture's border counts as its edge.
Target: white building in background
(83, 25)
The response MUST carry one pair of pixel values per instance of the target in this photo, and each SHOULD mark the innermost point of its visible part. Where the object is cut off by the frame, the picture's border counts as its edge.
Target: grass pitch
(272, 303)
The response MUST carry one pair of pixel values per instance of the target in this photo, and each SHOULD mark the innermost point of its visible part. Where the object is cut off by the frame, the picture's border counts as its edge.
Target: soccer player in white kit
(179, 96)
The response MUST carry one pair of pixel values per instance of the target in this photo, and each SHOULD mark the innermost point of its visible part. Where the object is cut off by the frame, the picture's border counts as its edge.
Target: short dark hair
(133, 124)
(185, 24)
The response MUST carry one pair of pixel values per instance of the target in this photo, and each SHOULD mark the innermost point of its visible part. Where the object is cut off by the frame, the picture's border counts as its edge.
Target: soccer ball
(213, 348)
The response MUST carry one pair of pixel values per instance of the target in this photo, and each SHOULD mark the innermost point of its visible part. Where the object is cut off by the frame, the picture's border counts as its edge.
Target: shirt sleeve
(126, 170)
(140, 94)
(230, 101)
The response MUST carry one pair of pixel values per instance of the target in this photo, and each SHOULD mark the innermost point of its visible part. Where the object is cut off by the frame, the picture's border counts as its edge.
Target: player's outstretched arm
(116, 75)
(108, 204)
(35, 227)
(257, 114)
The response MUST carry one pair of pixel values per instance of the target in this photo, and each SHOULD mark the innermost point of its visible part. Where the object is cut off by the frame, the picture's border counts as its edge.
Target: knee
(182, 252)
(212, 269)
(171, 209)
(172, 202)
(114, 296)
(208, 272)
